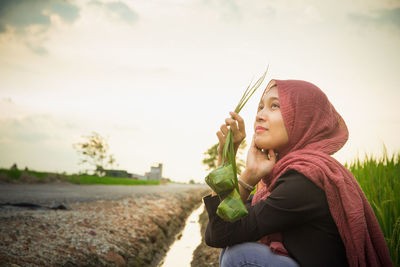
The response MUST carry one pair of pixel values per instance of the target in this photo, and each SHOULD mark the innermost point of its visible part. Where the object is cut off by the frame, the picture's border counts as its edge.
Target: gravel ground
(132, 231)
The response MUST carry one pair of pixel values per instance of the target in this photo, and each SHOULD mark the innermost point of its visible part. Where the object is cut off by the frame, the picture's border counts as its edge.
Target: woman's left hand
(258, 165)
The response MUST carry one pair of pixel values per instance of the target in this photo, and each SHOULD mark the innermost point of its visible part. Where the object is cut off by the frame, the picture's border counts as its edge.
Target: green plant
(379, 178)
(93, 179)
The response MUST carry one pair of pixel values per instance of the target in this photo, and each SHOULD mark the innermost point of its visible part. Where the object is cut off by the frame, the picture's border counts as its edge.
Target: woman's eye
(274, 105)
(260, 108)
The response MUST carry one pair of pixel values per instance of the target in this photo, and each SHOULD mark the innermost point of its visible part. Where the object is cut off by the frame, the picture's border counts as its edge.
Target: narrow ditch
(181, 251)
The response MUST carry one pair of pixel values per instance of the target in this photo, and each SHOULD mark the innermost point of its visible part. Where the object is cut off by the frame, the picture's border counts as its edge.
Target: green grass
(379, 179)
(15, 175)
(91, 179)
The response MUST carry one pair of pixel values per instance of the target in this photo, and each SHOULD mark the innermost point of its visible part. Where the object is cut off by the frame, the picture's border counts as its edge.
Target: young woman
(308, 209)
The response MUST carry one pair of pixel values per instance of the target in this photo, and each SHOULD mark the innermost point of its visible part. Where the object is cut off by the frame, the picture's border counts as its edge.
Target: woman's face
(269, 128)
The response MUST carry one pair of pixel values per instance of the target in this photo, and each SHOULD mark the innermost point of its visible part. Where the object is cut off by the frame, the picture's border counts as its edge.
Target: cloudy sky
(159, 77)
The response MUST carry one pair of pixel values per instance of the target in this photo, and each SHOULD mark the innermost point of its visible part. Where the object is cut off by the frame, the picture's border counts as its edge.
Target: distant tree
(94, 151)
(211, 157)
(14, 167)
(240, 163)
(191, 181)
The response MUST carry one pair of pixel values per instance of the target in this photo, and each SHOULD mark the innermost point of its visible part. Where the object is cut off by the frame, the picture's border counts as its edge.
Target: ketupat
(231, 208)
(223, 180)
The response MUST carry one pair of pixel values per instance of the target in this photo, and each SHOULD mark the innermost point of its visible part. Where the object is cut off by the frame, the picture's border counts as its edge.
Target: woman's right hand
(236, 124)
(258, 165)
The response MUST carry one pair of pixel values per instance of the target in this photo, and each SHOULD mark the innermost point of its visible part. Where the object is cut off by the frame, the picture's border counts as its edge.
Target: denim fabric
(253, 254)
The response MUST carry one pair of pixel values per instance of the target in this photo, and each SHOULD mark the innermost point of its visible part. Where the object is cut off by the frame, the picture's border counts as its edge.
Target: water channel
(181, 252)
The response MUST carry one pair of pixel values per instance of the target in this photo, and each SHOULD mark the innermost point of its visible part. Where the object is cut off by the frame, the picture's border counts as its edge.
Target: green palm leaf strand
(223, 180)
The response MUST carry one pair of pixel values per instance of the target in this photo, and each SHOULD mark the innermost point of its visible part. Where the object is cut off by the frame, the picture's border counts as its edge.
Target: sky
(158, 78)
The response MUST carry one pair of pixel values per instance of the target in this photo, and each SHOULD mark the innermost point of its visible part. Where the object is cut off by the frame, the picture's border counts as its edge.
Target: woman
(308, 209)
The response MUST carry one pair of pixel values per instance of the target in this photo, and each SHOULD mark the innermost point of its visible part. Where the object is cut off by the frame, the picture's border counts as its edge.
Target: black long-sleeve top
(296, 208)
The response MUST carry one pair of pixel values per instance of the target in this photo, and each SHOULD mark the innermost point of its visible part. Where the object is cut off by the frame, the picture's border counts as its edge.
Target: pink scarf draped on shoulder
(316, 131)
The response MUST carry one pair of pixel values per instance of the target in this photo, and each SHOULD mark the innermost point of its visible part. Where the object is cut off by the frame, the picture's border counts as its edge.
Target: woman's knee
(252, 254)
(245, 254)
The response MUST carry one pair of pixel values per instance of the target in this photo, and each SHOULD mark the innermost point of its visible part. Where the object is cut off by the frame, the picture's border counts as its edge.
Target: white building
(155, 173)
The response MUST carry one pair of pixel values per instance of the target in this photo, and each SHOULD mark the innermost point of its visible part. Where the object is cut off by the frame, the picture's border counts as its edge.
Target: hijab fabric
(316, 131)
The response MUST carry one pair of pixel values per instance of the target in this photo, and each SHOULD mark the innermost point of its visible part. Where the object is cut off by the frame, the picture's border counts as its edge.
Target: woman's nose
(260, 116)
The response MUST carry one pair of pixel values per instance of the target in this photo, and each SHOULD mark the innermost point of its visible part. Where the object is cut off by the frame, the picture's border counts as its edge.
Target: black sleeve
(294, 201)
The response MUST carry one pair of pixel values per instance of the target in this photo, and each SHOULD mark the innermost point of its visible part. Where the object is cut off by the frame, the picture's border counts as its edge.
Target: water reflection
(181, 251)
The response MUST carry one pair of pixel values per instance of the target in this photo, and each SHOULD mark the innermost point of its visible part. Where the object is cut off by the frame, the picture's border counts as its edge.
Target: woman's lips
(260, 129)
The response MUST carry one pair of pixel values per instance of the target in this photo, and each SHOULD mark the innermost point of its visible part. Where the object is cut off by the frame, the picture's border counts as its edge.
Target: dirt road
(50, 194)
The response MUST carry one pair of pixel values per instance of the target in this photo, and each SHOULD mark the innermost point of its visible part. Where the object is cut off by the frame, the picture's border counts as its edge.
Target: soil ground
(132, 231)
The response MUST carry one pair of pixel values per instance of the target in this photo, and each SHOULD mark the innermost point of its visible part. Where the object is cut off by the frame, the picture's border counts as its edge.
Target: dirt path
(70, 193)
(134, 231)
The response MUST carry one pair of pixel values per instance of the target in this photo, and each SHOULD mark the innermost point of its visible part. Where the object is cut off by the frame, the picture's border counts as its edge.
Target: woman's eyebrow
(272, 98)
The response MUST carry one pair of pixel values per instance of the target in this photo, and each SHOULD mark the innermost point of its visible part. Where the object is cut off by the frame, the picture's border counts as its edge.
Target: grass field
(379, 179)
(89, 179)
(43, 177)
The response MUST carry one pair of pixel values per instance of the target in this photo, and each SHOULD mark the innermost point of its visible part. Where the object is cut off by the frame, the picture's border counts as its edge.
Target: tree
(14, 167)
(211, 159)
(94, 152)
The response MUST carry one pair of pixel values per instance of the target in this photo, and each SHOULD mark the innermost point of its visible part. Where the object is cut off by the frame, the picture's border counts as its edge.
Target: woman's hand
(236, 124)
(258, 165)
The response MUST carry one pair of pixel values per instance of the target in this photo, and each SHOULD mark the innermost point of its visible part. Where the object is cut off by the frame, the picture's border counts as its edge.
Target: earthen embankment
(133, 231)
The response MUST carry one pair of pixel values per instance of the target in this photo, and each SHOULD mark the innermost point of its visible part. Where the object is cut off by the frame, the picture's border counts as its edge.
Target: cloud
(33, 129)
(22, 130)
(228, 10)
(391, 16)
(37, 49)
(381, 17)
(118, 9)
(30, 19)
(23, 13)
(123, 11)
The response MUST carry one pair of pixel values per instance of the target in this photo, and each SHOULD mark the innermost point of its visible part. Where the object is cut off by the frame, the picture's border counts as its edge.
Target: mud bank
(132, 231)
(205, 256)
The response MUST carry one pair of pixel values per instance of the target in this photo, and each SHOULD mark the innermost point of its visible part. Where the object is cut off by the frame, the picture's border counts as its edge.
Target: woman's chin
(260, 144)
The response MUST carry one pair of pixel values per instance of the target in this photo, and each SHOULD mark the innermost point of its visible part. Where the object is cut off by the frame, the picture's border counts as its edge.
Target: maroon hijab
(316, 131)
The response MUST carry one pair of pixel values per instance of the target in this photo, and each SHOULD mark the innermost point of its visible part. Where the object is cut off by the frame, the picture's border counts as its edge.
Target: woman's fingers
(224, 129)
(239, 120)
(221, 137)
(236, 124)
(232, 123)
(271, 155)
(253, 145)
